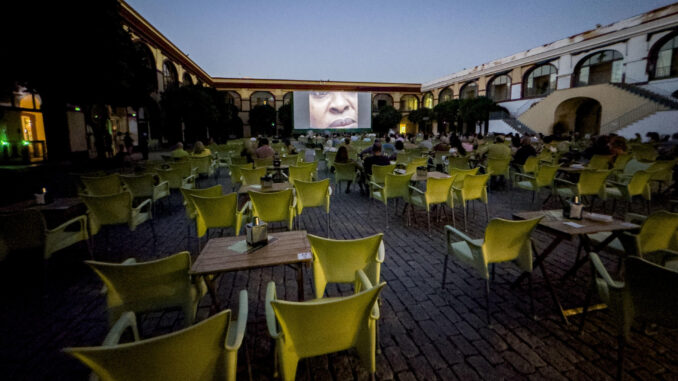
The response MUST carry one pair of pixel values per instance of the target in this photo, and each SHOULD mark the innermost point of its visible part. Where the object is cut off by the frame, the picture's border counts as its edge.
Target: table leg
(540, 258)
(586, 242)
(552, 291)
(300, 282)
(216, 306)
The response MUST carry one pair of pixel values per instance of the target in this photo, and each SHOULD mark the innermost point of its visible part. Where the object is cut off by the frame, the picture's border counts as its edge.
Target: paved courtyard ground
(427, 332)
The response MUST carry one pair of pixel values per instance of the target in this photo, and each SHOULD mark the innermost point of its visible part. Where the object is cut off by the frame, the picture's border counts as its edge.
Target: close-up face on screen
(336, 109)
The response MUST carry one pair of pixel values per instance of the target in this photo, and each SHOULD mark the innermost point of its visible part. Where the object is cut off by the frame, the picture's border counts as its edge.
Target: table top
(277, 187)
(230, 253)
(278, 168)
(553, 220)
(63, 203)
(429, 175)
(575, 169)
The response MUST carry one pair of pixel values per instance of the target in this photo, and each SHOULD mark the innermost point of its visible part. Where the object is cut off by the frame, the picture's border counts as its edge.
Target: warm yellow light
(403, 128)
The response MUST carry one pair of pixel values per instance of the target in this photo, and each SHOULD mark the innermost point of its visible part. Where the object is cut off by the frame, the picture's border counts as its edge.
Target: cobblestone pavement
(427, 332)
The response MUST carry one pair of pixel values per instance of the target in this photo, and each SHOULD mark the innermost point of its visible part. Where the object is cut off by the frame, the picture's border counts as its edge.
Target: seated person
(342, 157)
(377, 158)
(290, 148)
(264, 149)
(179, 152)
(199, 150)
(526, 150)
(498, 150)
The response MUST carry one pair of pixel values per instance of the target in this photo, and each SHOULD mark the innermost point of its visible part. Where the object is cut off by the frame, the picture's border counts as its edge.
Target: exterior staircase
(650, 95)
(512, 122)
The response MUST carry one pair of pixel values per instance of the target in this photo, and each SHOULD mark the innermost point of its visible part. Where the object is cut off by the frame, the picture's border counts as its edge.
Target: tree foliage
(262, 120)
(387, 117)
(446, 114)
(421, 117)
(285, 118)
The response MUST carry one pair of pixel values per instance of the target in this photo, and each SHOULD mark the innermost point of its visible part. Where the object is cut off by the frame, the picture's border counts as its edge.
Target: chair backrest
(379, 172)
(640, 185)
(328, 326)
(110, 209)
(662, 170)
(139, 185)
(290, 160)
(184, 168)
(402, 157)
(459, 175)
(531, 165)
(600, 162)
(252, 176)
(498, 166)
(633, 166)
(644, 152)
(621, 161)
(303, 173)
(203, 164)
(653, 292)
(312, 193)
(194, 353)
(438, 190)
(188, 194)
(414, 163)
(546, 174)
(263, 162)
(174, 175)
(215, 212)
(344, 171)
(23, 230)
(103, 185)
(272, 206)
(507, 240)
(592, 182)
(459, 162)
(336, 261)
(474, 186)
(659, 232)
(236, 172)
(397, 185)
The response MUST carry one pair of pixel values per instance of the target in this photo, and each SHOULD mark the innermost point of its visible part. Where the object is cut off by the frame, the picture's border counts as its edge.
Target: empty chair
(591, 183)
(395, 187)
(379, 173)
(205, 165)
(337, 260)
(236, 173)
(313, 194)
(543, 178)
(205, 351)
(321, 326)
(313, 164)
(638, 185)
(437, 194)
(644, 152)
(252, 176)
(189, 206)
(504, 241)
(662, 172)
(415, 163)
(647, 295)
(599, 162)
(620, 163)
(146, 186)
(274, 206)
(101, 185)
(459, 175)
(474, 188)
(150, 286)
(303, 173)
(344, 172)
(218, 212)
(178, 176)
(499, 167)
(263, 162)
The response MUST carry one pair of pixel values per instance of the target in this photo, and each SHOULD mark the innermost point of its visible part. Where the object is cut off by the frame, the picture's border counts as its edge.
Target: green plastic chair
(531, 166)
(252, 176)
(336, 261)
(504, 241)
(303, 173)
(217, 212)
(263, 162)
(189, 206)
(236, 173)
(591, 183)
(543, 178)
(178, 176)
(474, 188)
(620, 163)
(311, 195)
(638, 185)
(322, 326)
(205, 351)
(411, 167)
(457, 162)
(599, 162)
(289, 160)
(101, 185)
(150, 286)
(395, 186)
(379, 173)
(662, 172)
(438, 192)
(648, 294)
(274, 206)
(460, 174)
(117, 209)
(344, 172)
(205, 165)
(146, 186)
(644, 152)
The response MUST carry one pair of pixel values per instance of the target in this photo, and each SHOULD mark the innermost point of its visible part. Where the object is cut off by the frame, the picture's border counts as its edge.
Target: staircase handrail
(630, 117)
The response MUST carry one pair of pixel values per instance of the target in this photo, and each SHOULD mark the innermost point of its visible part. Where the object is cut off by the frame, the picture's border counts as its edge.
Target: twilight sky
(362, 40)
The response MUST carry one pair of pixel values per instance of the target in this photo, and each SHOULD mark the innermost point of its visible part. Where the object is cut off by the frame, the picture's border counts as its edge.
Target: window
(409, 102)
(233, 98)
(499, 88)
(149, 64)
(188, 81)
(540, 81)
(469, 90)
(446, 95)
(381, 100)
(287, 98)
(667, 60)
(169, 75)
(600, 67)
(427, 100)
(259, 98)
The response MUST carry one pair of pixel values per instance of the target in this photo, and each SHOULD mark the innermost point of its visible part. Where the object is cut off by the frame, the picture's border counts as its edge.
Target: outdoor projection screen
(334, 111)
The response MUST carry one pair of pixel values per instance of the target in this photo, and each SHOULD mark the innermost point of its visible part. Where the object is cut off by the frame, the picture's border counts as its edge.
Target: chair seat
(462, 251)
(418, 200)
(377, 196)
(615, 246)
(528, 185)
(565, 192)
(613, 192)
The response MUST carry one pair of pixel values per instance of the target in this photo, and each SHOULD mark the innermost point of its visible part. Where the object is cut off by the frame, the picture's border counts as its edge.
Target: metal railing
(626, 119)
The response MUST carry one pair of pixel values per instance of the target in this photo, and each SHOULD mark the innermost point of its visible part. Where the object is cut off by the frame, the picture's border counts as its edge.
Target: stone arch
(579, 114)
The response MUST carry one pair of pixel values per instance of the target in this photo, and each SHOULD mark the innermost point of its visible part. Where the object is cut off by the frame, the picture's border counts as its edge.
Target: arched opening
(540, 81)
(187, 81)
(259, 98)
(233, 98)
(381, 100)
(148, 61)
(409, 102)
(446, 95)
(499, 88)
(600, 67)
(663, 57)
(427, 100)
(169, 75)
(580, 115)
(287, 98)
(469, 90)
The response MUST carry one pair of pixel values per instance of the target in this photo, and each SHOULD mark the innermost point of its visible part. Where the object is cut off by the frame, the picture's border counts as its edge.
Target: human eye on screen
(319, 94)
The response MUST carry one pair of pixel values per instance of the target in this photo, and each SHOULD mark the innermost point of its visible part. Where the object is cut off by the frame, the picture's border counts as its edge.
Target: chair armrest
(413, 188)
(82, 220)
(233, 343)
(147, 203)
(617, 183)
(127, 320)
(635, 218)
(375, 185)
(602, 271)
(271, 321)
(516, 174)
(452, 231)
(162, 186)
(245, 208)
(364, 282)
(559, 180)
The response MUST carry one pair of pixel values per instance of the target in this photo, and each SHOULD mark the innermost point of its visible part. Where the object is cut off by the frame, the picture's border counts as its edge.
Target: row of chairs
(209, 349)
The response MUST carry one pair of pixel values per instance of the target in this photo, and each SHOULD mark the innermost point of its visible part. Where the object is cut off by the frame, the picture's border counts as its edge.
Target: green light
(77, 108)
(96, 116)
(25, 143)
(4, 142)
(134, 114)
